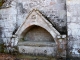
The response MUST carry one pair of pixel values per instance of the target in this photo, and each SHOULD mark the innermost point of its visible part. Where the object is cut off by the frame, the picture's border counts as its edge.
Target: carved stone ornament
(33, 16)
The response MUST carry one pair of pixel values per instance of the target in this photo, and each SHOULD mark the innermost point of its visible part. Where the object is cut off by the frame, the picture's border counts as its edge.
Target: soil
(23, 57)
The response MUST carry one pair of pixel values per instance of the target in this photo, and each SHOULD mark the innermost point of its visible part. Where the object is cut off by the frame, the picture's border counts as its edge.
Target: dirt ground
(22, 57)
(6, 57)
(9, 57)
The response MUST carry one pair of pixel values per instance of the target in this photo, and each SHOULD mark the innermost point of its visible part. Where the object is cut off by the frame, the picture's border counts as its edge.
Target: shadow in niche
(37, 34)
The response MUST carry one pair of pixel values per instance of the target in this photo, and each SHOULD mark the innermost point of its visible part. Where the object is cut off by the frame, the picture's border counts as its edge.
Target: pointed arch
(36, 18)
(37, 34)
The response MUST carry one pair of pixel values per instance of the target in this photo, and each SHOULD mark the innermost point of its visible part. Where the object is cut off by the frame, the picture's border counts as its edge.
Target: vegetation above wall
(1, 2)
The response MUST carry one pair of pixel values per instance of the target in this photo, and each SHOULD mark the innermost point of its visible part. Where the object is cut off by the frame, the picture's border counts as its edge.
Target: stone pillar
(61, 46)
(73, 27)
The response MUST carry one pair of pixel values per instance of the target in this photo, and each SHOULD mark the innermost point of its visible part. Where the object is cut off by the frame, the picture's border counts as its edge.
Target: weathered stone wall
(53, 10)
(8, 23)
(73, 25)
(14, 12)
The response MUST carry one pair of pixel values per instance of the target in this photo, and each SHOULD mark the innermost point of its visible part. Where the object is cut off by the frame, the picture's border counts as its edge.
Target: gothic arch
(36, 18)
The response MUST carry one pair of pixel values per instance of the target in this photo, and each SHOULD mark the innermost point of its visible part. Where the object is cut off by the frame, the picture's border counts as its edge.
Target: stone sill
(37, 44)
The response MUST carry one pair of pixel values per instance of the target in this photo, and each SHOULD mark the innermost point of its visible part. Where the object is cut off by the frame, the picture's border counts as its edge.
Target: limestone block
(3, 35)
(50, 51)
(2, 23)
(8, 11)
(63, 36)
(5, 41)
(8, 34)
(5, 30)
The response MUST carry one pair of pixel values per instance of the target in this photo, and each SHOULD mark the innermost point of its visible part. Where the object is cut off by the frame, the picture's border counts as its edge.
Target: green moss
(1, 2)
(21, 40)
(1, 48)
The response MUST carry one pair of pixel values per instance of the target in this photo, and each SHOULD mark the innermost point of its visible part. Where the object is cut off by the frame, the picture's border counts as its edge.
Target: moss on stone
(1, 2)
(1, 48)
(22, 39)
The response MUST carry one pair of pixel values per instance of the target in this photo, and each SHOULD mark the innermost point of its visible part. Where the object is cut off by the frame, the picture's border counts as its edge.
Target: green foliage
(1, 48)
(1, 2)
(22, 39)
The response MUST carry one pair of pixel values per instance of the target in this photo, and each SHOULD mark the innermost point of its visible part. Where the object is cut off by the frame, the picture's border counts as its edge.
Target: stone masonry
(62, 14)
(73, 27)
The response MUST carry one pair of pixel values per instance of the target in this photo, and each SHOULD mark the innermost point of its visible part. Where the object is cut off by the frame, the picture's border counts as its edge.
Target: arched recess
(36, 18)
(37, 34)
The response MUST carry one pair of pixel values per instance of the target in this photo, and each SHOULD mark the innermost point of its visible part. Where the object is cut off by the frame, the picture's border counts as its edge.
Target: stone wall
(53, 10)
(14, 12)
(7, 24)
(73, 26)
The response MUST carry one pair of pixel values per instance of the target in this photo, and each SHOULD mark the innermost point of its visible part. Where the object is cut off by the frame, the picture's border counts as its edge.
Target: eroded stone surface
(73, 27)
(14, 13)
